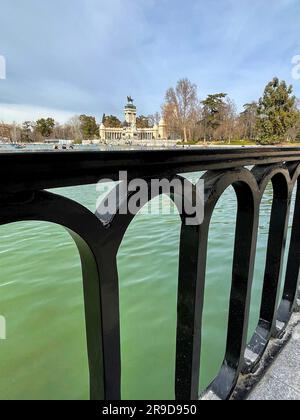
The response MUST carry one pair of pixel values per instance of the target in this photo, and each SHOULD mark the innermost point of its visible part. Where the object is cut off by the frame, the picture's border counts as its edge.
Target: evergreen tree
(27, 131)
(88, 126)
(45, 126)
(110, 121)
(277, 112)
(213, 107)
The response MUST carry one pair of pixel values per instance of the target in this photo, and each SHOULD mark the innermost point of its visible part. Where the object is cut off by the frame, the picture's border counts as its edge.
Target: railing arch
(291, 292)
(246, 191)
(189, 305)
(279, 176)
(87, 234)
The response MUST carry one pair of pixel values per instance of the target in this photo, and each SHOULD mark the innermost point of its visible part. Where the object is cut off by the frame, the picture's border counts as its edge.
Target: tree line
(78, 128)
(273, 119)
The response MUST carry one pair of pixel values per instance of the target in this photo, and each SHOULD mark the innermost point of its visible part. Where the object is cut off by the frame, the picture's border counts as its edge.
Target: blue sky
(69, 57)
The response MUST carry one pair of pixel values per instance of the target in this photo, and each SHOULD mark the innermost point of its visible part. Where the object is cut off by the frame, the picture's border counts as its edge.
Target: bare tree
(5, 132)
(170, 116)
(247, 121)
(154, 119)
(180, 105)
(75, 126)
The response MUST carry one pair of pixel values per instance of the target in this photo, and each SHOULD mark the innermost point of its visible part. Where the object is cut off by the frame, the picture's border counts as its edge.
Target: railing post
(191, 284)
(291, 288)
(266, 327)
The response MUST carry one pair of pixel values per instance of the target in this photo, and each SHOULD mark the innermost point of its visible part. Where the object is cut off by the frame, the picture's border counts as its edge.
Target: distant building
(129, 130)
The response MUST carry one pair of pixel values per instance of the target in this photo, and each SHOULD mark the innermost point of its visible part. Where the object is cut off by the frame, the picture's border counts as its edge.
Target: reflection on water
(44, 355)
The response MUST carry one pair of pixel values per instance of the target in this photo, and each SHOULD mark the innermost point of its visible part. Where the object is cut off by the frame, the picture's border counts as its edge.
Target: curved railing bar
(279, 176)
(101, 327)
(289, 301)
(246, 190)
(190, 296)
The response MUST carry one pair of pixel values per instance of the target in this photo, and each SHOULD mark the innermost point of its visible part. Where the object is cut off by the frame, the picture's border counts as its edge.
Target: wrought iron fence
(26, 176)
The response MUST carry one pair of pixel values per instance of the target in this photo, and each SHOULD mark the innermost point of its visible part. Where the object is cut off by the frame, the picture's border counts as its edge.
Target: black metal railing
(25, 177)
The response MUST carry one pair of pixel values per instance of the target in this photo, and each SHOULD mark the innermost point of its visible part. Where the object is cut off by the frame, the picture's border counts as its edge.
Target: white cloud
(19, 113)
(86, 56)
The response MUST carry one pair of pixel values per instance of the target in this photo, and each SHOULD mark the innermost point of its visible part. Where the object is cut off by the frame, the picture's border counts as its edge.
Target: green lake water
(44, 356)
